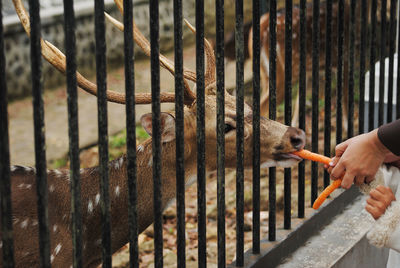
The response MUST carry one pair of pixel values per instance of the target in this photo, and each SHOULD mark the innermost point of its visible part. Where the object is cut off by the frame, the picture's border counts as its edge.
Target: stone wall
(18, 50)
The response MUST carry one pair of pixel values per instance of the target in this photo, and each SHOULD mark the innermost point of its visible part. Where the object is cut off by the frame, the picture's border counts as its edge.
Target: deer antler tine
(210, 69)
(56, 58)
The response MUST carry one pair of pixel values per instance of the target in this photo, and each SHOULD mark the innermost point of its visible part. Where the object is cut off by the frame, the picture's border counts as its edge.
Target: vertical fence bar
(5, 183)
(302, 103)
(371, 104)
(361, 103)
(256, 126)
(350, 107)
(179, 130)
(39, 133)
(272, 116)
(339, 88)
(201, 169)
(315, 93)
(381, 118)
(239, 47)
(156, 137)
(398, 76)
(288, 108)
(101, 78)
(219, 13)
(392, 47)
(73, 132)
(131, 133)
(328, 86)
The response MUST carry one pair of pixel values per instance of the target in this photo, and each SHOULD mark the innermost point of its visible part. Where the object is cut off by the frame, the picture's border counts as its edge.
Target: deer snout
(297, 137)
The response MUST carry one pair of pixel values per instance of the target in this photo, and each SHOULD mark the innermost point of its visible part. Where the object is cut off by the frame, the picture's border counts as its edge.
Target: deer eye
(228, 128)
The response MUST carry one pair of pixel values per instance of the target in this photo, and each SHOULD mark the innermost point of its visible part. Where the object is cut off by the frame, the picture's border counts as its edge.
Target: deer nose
(297, 138)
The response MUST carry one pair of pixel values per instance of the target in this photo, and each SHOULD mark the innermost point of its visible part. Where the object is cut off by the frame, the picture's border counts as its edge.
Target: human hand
(379, 199)
(358, 159)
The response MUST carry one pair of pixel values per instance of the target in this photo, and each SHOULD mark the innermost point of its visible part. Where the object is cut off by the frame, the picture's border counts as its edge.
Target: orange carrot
(305, 154)
(328, 190)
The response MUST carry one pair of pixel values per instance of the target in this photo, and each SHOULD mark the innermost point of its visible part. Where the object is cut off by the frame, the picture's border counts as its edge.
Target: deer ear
(167, 126)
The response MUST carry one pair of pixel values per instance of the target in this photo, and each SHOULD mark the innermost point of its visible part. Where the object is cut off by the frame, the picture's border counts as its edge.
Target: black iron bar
(101, 78)
(5, 183)
(39, 134)
(315, 96)
(272, 116)
(392, 47)
(363, 40)
(351, 55)
(180, 136)
(328, 86)
(239, 47)
(340, 83)
(288, 108)
(73, 132)
(156, 137)
(371, 104)
(219, 13)
(131, 133)
(381, 118)
(302, 103)
(398, 78)
(256, 126)
(201, 169)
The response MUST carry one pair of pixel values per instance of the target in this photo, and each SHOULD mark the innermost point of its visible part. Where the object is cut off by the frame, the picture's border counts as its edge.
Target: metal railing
(8, 250)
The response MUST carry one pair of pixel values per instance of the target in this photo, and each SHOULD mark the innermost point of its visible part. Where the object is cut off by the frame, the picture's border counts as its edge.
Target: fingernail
(331, 163)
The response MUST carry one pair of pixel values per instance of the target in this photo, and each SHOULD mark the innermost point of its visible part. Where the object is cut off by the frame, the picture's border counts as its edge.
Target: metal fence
(367, 36)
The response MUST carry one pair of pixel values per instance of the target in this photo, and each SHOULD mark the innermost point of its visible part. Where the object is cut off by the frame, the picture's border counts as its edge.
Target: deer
(280, 51)
(277, 143)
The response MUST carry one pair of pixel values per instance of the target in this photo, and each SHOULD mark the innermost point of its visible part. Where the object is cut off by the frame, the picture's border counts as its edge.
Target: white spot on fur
(24, 223)
(140, 148)
(150, 164)
(294, 35)
(24, 186)
(51, 258)
(267, 164)
(283, 163)
(57, 249)
(55, 228)
(15, 220)
(51, 188)
(97, 199)
(26, 254)
(13, 168)
(117, 191)
(90, 206)
(29, 169)
(169, 203)
(34, 222)
(82, 170)
(58, 172)
(121, 161)
(1, 244)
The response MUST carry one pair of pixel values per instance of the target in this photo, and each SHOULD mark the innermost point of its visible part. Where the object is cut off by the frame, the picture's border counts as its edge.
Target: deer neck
(118, 189)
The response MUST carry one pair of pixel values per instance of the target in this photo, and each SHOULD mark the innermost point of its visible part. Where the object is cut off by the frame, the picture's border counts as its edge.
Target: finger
(338, 170)
(347, 180)
(375, 213)
(359, 180)
(376, 194)
(374, 203)
(340, 148)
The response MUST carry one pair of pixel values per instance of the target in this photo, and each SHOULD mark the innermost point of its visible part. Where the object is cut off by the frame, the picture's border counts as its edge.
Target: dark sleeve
(389, 135)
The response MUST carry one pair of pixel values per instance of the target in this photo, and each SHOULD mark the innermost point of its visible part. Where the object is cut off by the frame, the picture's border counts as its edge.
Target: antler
(165, 62)
(56, 58)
